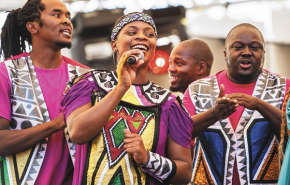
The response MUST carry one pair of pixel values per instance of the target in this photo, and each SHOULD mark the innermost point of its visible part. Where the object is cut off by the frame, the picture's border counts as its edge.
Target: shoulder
(75, 63)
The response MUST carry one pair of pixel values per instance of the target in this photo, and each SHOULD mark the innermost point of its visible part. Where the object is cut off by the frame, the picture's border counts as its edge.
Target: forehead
(184, 53)
(245, 34)
(51, 5)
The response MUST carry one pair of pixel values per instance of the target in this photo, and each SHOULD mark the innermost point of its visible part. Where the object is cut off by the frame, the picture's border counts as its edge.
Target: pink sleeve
(5, 93)
(187, 103)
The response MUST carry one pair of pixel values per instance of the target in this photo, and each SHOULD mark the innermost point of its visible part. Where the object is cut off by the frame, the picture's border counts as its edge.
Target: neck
(47, 59)
(141, 76)
(240, 81)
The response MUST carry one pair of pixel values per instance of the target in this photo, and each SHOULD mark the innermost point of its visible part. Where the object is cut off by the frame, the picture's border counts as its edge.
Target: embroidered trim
(138, 16)
(161, 168)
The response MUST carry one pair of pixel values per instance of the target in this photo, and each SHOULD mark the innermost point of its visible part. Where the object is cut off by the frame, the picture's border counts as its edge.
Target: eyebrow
(60, 11)
(146, 28)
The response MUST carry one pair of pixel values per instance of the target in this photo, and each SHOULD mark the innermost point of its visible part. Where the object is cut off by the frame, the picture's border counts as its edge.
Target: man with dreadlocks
(237, 115)
(34, 148)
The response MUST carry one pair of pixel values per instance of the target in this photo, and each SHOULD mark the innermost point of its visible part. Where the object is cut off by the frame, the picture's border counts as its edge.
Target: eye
(56, 15)
(150, 35)
(255, 47)
(131, 32)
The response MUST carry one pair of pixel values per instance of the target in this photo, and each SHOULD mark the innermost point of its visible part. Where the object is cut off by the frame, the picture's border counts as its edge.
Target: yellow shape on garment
(21, 162)
(130, 97)
(202, 175)
(98, 146)
(270, 165)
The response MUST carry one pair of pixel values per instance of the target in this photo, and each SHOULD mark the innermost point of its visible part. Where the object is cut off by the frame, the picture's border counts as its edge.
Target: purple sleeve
(77, 96)
(5, 93)
(187, 103)
(179, 125)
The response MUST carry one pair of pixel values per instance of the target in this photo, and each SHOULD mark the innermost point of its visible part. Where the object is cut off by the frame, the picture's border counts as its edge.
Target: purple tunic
(174, 121)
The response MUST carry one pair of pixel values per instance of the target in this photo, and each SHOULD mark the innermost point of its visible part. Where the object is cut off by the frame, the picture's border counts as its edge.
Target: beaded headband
(137, 16)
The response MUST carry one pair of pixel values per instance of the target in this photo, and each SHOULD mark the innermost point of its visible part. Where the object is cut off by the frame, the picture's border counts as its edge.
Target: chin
(173, 89)
(64, 44)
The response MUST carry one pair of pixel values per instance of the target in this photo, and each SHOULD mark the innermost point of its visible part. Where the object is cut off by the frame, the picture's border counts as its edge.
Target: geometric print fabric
(133, 120)
(28, 110)
(270, 88)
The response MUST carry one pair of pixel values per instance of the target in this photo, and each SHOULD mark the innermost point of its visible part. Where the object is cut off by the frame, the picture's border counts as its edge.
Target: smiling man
(34, 148)
(237, 115)
(190, 60)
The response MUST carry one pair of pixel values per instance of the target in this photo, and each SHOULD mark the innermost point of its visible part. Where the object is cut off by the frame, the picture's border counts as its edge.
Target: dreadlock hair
(284, 133)
(14, 32)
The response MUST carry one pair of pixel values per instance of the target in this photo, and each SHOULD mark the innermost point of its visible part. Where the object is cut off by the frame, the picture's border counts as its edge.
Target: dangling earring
(115, 56)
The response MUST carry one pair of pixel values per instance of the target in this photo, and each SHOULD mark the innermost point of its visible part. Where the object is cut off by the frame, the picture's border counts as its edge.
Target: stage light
(160, 62)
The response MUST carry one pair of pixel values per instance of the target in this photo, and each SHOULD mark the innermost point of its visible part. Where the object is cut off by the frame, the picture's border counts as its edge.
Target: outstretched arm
(87, 121)
(16, 141)
(271, 113)
(222, 109)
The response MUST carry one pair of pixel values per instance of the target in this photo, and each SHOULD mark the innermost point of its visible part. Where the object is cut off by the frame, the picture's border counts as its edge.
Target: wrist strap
(159, 167)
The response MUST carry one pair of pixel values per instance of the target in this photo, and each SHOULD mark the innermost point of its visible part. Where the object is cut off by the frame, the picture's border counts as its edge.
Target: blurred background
(176, 20)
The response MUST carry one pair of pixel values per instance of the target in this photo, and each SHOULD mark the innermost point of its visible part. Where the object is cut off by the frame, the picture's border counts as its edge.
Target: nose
(171, 68)
(66, 21)
(246, 51)
(140, 36)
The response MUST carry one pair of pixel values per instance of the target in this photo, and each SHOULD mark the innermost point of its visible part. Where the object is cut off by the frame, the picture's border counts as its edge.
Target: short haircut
(200, 51)
(246, 25)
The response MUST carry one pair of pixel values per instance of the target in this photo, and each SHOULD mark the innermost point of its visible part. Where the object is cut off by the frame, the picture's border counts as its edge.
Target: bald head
(190, 60)
(200, 51)
(243, 25)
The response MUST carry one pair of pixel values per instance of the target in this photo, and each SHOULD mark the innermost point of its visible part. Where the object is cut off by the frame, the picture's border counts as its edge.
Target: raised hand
(133, 144)
(126, 72)
(224, 105)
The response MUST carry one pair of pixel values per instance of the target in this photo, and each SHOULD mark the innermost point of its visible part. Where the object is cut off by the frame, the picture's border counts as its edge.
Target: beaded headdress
(136, 16)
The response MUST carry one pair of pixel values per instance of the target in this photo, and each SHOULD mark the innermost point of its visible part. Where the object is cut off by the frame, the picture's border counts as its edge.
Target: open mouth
(173, 79)
(140, 46)
(66, 32)
(246, 63)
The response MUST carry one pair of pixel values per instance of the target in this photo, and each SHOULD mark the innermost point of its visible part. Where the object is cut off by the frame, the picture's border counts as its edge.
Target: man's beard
(174, 89)
(63, 44)
(245, 79)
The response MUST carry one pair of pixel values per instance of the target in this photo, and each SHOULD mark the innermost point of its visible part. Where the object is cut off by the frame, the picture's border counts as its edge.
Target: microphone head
(141, 55)
(131, 60)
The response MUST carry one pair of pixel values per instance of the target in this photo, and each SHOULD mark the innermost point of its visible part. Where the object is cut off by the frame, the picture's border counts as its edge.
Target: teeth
(172, 77)
(140, 47)
(67, 32)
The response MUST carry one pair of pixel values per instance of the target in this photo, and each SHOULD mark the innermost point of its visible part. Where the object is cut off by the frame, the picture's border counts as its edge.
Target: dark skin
(244, 54)
(45, 54)
(184, 68)
(82, 124)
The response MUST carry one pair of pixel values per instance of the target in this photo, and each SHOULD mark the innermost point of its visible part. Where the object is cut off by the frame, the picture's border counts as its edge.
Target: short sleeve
(78, 95)
(179, 125)
(5, 93)
(187, 103)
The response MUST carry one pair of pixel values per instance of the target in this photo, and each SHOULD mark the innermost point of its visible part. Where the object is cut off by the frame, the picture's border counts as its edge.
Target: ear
(114, 46)
(225, 54)
(201, 68)
(32, 27)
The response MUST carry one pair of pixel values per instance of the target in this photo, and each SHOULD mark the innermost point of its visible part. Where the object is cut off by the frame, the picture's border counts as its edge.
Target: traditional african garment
(147, 110)
(253, 144)
(35, 99)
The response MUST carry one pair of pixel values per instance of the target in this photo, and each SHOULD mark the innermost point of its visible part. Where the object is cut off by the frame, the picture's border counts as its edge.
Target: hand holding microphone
(134, 58)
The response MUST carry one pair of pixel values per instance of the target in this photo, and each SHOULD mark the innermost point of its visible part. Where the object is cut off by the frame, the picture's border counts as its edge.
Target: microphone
(133, 58)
